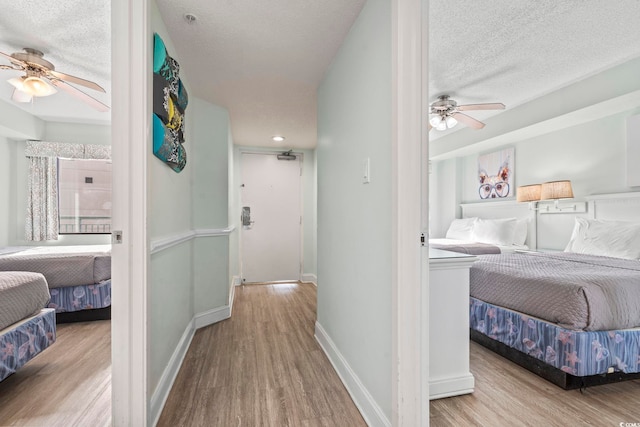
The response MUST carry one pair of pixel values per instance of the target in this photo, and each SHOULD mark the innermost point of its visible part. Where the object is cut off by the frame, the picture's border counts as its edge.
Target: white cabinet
(449, 373)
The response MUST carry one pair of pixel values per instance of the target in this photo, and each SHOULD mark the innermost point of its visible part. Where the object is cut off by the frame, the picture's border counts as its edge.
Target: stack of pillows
(501, 232)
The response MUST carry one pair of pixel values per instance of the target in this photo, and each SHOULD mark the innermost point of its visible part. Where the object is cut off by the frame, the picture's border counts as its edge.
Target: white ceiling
(263, 61)
(75, 36)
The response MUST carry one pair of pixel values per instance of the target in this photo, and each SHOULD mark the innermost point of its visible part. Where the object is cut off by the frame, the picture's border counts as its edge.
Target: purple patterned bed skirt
(22, 343)
(578, 353)
(86, 297)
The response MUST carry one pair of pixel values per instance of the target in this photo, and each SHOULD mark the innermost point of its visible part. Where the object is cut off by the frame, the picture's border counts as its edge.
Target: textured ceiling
(263, 60)
(515, 51)
(75, 36)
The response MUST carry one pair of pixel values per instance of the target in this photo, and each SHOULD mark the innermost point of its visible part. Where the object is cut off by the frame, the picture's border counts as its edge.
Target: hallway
(261, 367)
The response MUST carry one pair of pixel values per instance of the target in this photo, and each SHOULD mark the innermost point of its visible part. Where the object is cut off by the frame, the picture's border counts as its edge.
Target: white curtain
(42, 204)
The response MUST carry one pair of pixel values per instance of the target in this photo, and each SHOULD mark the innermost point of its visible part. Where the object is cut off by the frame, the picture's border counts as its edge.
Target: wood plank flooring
(261, 367)
(68, 384)
(508, 395)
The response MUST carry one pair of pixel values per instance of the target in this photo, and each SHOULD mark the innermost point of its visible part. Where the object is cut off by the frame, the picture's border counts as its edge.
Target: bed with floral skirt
(79, 277)
(572, 318)
(26, 328)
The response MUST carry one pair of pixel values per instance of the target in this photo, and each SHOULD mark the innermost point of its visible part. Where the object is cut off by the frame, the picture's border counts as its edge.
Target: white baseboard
(447, 387)
(370, 410)
(310, 278)
(210, 317)
(237, 281)
(170, 373)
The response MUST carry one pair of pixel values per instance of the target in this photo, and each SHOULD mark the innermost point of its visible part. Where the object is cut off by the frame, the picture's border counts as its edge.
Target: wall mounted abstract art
(495, 174)
(170, 101)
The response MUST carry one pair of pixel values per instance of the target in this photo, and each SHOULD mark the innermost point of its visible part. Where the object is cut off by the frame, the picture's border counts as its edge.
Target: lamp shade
(556, 190)
(528, 193)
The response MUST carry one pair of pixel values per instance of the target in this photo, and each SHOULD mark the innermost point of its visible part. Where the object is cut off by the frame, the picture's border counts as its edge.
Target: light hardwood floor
(508, 395)
(261, 367)
(68, 384)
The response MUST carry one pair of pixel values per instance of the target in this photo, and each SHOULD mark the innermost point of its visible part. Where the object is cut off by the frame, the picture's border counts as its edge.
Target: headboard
(554, 230)
(504, 209)
(618, 206)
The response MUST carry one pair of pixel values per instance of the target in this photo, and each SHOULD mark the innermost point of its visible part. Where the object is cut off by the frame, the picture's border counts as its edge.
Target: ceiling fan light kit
(447, 113)
(40, 78)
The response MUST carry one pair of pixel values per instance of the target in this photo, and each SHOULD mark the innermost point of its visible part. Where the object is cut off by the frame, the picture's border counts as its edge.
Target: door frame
(410, 272)
(272, 152)
(131, 58)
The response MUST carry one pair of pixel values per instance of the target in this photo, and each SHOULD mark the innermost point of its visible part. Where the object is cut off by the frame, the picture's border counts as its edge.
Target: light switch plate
(366, 171)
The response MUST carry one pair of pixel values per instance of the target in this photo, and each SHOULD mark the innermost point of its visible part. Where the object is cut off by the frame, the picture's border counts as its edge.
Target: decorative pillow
(495, 231)
(461, 229)
(520, 234)
(618, 239)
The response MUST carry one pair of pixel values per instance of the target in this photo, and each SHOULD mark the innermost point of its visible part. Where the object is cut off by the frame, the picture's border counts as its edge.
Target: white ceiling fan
(447, 113)
(41, 79)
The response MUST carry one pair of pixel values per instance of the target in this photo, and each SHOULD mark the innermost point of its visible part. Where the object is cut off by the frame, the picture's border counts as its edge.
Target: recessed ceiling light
(190, 18)
(278, 138)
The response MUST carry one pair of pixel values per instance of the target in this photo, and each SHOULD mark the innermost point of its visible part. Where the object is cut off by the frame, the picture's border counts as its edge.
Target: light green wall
(210, 186)
(355, 219)
(191, 277)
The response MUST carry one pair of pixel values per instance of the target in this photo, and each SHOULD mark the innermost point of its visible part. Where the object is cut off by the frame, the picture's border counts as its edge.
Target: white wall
(5, 190)
(355, 219)
(19, 171)
(592, 155)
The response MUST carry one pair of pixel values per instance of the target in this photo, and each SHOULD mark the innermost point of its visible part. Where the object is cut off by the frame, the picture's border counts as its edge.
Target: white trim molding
(309, 278)
(170, 373)
(366, 404)
(158, 245)
(200, 320)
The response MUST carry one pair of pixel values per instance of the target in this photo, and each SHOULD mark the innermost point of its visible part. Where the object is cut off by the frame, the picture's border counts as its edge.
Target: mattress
(472, 248)
(574, 291)
(21, 295)
(579, 353)
(62, 266)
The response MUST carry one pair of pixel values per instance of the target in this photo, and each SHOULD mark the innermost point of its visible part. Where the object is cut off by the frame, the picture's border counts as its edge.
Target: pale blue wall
(191, 277)
(5, 190)
(354, 219)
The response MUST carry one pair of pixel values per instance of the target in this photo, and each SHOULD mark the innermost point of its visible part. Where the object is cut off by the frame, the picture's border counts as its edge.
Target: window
(84, 196)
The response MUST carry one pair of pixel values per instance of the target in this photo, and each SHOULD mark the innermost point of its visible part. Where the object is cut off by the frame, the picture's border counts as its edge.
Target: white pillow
(461, 229)
(619, 239)
(520, 234)
(495, 231)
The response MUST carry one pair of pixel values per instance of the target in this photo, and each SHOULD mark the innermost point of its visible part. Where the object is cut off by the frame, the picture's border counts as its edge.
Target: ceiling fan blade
(491, 106)
(80, 95)
(13, 60)
(468, 120)
(76, 80)
(20, 96)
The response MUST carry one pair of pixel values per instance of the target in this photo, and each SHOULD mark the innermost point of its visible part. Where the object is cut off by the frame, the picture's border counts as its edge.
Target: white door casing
(271, 243)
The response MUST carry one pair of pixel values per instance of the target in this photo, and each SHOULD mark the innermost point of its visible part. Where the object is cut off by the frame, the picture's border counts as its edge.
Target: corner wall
(189, 237)
(355, 219)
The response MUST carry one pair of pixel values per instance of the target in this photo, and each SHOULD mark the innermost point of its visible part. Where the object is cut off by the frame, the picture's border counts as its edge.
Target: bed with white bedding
(572, 317)
(78, 277)
(479, 236)
(26, 327)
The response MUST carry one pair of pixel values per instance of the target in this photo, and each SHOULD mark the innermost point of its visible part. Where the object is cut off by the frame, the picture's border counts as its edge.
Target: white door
(271, 232)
